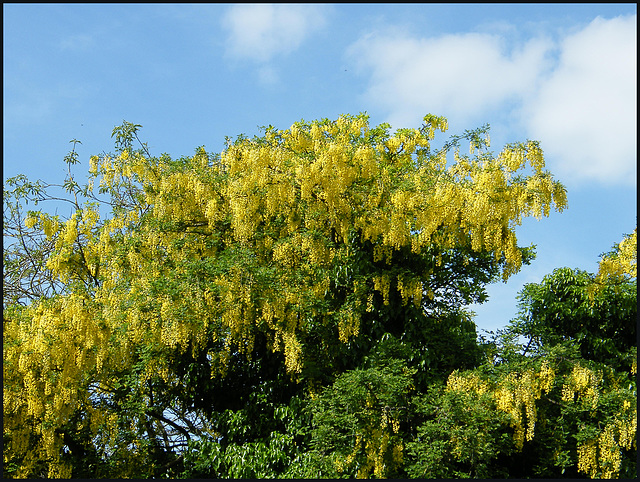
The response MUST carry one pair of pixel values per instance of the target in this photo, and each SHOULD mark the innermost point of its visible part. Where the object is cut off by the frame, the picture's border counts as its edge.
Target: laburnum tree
(201, 316)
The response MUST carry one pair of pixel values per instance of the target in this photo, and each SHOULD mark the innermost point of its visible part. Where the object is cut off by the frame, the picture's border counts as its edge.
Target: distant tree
(597, 312)
(561, 404)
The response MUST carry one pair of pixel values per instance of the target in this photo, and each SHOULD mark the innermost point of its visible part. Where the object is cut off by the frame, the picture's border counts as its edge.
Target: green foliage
(358, 423)
(236, 454)
(297, 307)
(562, 309)
(461, 435)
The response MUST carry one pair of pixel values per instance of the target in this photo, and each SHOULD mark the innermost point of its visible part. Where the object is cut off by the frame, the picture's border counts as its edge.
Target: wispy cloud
(586, 109)
(259, 32)
(581, 106)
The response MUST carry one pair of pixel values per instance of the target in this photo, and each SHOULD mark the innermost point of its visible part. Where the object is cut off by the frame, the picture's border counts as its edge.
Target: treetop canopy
(296, 237)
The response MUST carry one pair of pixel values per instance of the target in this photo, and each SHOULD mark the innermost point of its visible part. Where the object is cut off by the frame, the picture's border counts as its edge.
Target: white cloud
(261, 31)
(458, 76)
(581, 108)
(585, 113)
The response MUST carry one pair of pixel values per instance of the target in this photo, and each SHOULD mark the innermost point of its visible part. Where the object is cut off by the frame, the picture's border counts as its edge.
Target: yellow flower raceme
(517, 393)
(625, 262)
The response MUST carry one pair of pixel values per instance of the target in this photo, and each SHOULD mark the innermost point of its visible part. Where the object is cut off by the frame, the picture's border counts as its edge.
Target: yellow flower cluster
(583, 382)
(382, 284)
(546, 376)
(412, 288)
(75, 256)
(626, 425)
(515, 394)
(383, 453)
(379, 443)
(45, 374)
(488, 201)
(587, 458)
(467, 383)
(50, 225)
(623, 263)
(348, 324)
(601, 457)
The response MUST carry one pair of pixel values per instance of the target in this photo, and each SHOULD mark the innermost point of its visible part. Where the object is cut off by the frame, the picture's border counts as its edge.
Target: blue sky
(565, 75)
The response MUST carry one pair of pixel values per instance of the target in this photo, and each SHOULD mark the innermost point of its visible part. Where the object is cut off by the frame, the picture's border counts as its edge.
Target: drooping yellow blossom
(601, 456)
(517, 393)
(618, 265)
(583, 382)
